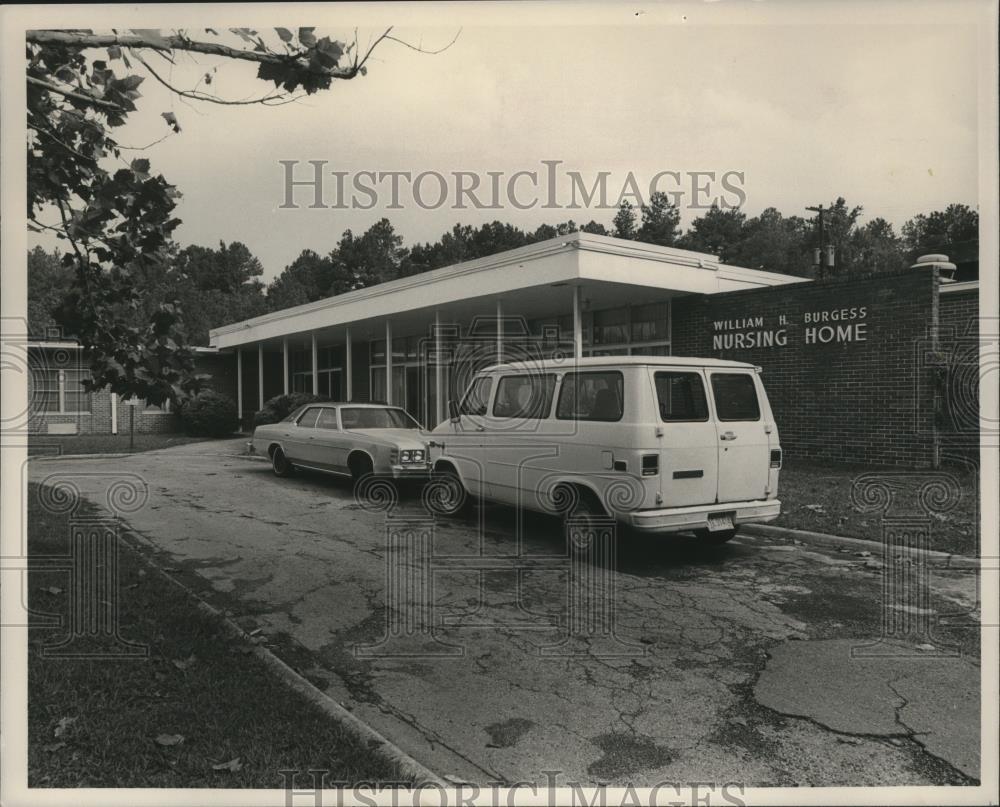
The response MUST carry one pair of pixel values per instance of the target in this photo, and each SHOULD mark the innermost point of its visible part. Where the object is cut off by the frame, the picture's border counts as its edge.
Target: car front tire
(280, 464)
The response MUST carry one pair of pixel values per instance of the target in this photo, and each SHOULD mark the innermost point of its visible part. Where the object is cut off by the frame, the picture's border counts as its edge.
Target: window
(327, 419)
(524, 396)
(591, 396)
(611, 327)
(46, 390)
(61, 391)
(681, 396)
(75, 397)
(477, 398)
(735, 396)
(373, 417)
(308, 420)
(649, 323)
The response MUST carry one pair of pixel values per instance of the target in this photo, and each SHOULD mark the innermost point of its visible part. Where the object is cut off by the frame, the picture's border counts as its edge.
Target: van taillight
(650, 464)
(775, 457)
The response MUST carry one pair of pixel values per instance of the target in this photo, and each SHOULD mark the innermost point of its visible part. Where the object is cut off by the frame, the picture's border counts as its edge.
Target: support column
(114, 413)
(239, 385)
(438, 417)
(315, 365)
(388, 362)
(349, 365)
(260, 376)
(577, 324)
(284, 361)
(499, 332)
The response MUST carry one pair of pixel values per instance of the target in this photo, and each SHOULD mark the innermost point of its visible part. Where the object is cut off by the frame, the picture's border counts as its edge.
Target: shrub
(209, 414)
(281, 406)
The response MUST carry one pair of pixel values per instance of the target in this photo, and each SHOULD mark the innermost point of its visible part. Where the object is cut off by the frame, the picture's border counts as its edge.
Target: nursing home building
(861, 370)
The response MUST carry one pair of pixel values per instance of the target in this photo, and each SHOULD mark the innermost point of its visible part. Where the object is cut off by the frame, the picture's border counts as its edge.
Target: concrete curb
(51, 457)
(407, 765)
(82, 456)
(932, 557)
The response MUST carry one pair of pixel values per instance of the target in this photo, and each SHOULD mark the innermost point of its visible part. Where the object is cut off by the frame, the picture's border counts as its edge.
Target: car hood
(404, 438)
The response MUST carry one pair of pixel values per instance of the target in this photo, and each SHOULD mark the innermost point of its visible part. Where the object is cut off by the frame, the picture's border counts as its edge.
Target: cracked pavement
(727, 664)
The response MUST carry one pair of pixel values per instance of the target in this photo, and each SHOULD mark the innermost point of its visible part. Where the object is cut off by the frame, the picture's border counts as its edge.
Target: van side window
(591, 396)
(681, 396)
(735, 396)
(308, 420)
(524, 396)
(477, 398)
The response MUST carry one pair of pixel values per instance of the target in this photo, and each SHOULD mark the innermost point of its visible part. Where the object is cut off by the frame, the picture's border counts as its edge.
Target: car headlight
(408, 455)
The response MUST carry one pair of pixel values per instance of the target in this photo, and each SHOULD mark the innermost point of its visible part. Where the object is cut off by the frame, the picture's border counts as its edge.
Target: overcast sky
(884, 115)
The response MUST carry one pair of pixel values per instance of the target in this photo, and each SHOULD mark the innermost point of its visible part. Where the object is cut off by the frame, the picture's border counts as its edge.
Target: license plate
(720, 521)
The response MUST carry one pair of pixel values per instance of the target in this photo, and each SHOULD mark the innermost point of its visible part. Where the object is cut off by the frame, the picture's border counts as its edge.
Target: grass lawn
(43, 444)
(818, 498)
(198, 700)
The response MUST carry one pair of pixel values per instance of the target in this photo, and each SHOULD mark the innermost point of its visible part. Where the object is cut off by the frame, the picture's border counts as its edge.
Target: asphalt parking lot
(757, 662)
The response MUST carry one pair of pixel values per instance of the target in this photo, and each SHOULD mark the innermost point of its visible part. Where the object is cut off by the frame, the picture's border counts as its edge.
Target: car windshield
(375, 418)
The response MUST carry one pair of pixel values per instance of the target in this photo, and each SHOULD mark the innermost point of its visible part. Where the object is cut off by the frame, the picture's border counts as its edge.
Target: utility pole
(822, 257)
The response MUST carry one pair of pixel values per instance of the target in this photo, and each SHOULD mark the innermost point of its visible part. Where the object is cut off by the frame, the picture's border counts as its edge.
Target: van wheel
(444, 494)
(716, 538)
(280, 464)
(582, 508)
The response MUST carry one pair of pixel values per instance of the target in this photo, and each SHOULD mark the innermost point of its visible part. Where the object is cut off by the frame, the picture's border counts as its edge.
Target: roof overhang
(609, 269)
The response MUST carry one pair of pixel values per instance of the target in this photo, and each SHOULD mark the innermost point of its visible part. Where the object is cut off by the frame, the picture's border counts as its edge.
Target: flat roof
(613, 268)
(570, 363)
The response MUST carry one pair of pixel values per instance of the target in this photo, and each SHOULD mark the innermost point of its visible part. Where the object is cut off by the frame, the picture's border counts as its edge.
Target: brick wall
(851, 389)
(958, 349)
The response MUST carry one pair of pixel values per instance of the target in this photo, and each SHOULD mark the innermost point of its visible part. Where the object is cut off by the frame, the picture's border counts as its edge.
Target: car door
(688, 438)
(329, 447)
(299, 436)
(743, 447)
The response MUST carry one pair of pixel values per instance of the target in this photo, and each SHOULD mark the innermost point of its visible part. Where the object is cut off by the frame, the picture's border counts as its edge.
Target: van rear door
(743, 443)
(689, 456)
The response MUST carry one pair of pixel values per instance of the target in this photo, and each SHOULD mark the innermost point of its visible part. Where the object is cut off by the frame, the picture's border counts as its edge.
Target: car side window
(524, 396)
(327, 419)
(681, 396)
(308, 420)
(478, 397)
(735, 396)
(595, 395)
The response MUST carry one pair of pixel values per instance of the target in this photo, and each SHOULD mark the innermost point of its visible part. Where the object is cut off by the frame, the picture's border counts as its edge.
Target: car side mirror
(453, 415)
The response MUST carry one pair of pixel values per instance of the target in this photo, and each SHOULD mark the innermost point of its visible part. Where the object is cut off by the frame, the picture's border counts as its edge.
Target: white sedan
(347, 439)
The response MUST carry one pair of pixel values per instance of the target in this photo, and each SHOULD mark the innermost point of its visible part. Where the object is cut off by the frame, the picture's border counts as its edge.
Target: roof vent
(946, 269)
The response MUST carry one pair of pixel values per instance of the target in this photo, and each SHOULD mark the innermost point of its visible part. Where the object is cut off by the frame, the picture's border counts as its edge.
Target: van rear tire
(716, 538)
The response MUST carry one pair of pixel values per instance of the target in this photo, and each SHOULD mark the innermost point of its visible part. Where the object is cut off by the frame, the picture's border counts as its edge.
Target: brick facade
(958, 351)
(853, 387)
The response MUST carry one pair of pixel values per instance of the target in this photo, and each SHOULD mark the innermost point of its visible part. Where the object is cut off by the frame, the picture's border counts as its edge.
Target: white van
(660, 444)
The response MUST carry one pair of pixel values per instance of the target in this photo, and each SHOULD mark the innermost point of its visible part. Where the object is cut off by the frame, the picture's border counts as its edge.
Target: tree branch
(197, 95)
(87, 99)
(169, 43)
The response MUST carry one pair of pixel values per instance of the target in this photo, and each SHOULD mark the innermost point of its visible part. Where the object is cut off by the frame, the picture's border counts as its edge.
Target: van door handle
(480, 428)
(727, 436)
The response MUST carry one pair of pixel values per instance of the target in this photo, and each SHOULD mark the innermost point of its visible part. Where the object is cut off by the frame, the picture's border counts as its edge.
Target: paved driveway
(730, 664)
